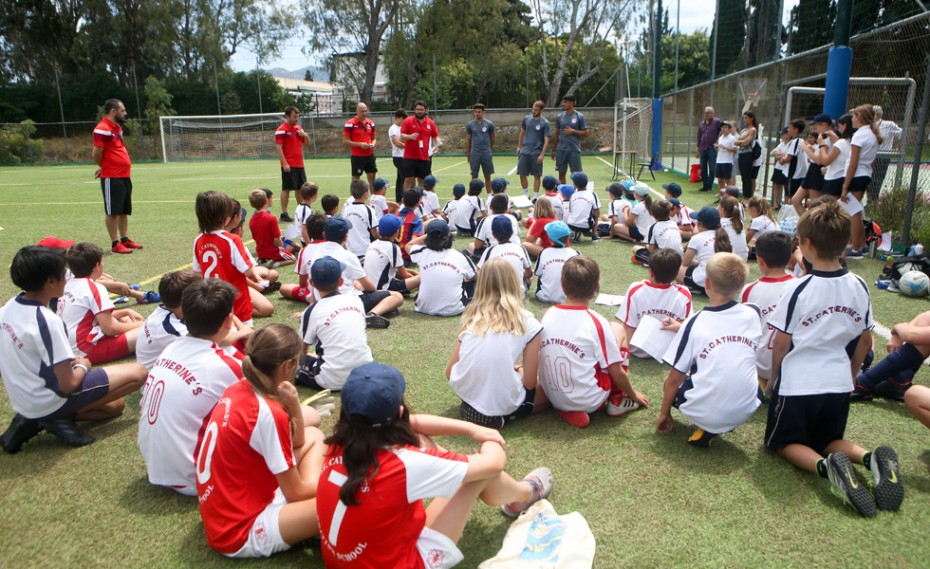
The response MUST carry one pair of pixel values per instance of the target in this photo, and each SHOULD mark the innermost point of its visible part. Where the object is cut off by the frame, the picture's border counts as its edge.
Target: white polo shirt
(353, 268)
(382, 260)
(765, 294)
(336, 326)
(159, 331)
(363, 220)
(703, 246)
(515, 254)
(865, 139)
(580, 206)
(737, 240)
(645, 298)
(484, 229)
(549, 270)
(442, 274)
(762, 225)
(556, 201)
(664, 235)
(644, 219)
(82, 301)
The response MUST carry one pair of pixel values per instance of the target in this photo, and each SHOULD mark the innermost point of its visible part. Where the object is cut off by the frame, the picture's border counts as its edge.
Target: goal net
(632, 131)
(218, 137)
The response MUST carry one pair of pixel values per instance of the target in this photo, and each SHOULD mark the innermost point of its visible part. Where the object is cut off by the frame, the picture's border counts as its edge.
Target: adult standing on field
(479, 138)
(417, 133)
(570, 128)
(531, 147)
(397, 153)
(708, 133)
(359, 135)
(289, 141)
(889, 131)
(113, 169)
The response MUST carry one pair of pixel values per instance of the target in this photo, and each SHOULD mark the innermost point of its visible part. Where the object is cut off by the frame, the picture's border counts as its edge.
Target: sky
(694, 14)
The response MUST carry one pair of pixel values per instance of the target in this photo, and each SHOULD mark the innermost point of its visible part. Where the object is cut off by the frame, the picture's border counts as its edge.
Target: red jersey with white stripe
(187, 380)
(264, 228)
(382, 529)
(660, 301)
(83, 300)
(109, 136)
(244, 444)
(360, 131)
(221, 255)
(418, 149)
(765, 294)
(292, 143)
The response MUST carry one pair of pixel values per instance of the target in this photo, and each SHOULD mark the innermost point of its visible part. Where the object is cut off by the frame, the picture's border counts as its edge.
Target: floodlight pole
(839, 62)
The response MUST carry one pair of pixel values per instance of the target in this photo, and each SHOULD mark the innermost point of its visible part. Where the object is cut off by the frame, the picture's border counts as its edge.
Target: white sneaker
(621, 407)
(540, 480)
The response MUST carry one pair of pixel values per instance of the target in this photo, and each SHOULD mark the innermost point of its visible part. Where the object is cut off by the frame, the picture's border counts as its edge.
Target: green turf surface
(650, 499)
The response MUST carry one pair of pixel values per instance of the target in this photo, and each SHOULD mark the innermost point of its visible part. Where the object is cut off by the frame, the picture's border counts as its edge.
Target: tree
(763, 30)
(811, 25)
(730, 31)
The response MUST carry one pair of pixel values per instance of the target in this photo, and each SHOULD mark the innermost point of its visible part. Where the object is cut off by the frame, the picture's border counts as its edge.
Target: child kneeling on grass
(908, 347)
(47, 385)
(713, 357)
(258, 463)
(496, 332)
(584, 368)
(818, 316)
(381, 465)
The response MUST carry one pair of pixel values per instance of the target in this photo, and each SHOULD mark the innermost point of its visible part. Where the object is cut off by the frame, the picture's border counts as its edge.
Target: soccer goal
(218, 137)
(632, 130)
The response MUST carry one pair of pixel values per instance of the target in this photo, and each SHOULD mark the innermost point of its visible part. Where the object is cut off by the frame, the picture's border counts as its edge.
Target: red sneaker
(130, 244)
(121, 249)
(578, 419)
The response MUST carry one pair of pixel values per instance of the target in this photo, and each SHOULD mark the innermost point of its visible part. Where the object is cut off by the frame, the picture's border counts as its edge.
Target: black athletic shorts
(859, 183)
(294, 179)
(117, 196)
(779, 178)
(814, 178)
(365, 164)
(417, 168)
(833, 187)
(814, 421)
(371, 299)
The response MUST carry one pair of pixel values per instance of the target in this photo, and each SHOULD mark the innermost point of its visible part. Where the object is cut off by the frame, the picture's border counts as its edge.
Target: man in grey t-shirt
(570, 128)
(531, 147)
(479, 138)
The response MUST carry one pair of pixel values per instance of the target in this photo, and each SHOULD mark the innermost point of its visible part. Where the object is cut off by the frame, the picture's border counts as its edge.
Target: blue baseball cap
(498, 185)
(381, 183)
(458, 190)
(557, 231)
(430, 181)
(640, 189)
(325, 271)
(824, 118)
(550, 183)
(708, 216)
(675, 202)
(566, 190)
(437, 228)
(628, 183)
(476, 185)
(389, 225)
(580, 179)
(336, 228)
(501, 228)
(372, 395)
(673, 189)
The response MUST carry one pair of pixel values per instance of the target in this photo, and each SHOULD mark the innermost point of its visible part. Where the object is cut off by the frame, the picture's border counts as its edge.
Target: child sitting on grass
(96, 330)
(583, 366)
(636, 220)
(330, 205)
(458, 213)
(302, 291)
(48, 387)
(446, 275)
(384, 263)
(265, 231)
(363, 229)
(496, 333)
(536, 237)
(296, 231)
(514, 253)
(584, 208)
(709, 238)
(663, 234)
(166, 322)
(731, 220)
(908, 347)
(484, 237)
(379, 202)
(550, 262)
(550, 186)
(713, 357)
(818, 316)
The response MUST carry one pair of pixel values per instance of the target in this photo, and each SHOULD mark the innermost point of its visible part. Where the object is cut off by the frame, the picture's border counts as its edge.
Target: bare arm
(279, 149)
(520, 141)
(673, 381)
(70, 378)
(531, 363)
(851, 168)
(453, 359)
(111, 326)
(781, 344)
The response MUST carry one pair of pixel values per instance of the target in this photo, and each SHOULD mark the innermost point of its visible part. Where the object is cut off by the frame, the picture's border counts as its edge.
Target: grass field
(651, 500)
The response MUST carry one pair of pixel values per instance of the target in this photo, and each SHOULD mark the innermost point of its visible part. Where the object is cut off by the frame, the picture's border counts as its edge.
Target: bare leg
(111, 222)
(388, 304)
(261, 306)
(285, 197)
(124, 379)
(448, 516)
(917, 400)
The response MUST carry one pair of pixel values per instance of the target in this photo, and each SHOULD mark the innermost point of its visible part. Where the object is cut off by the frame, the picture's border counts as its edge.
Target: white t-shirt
(442, 274)
(379, 206)
(645, 298)
(794, 149)
(363, 220)
(484, 229)
(484, 376)
(765, 294)
(353, 268)
(762, 225)
(184, 384)
(513, 253)
(782, 149)
(644, 219)
(889, 130)
(83, 300)
(556, 201)
(580, 206)
(865, 139)
(616, 207)
(703, 246)
(382, 260)
(336, 326)
(431, 203)
(664, 235)
(725, 156)
(822, 312)
(576, 347)
(461, 214)
(837, 168)
(393, 131)
(716, 349)
(160, 330)
(760, 140)
(549, 270)
(306, 257)
(33, 341)
(294, 231)
(737, 240)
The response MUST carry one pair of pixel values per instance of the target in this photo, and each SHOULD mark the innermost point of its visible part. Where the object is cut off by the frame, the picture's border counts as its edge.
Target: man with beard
(570, 128)
(113, 166)
(531, 147)
(417, 133)
(479, 139)
(289, 142)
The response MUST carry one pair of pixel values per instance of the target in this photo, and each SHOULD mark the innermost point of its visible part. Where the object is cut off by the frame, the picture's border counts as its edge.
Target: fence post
(918, 151)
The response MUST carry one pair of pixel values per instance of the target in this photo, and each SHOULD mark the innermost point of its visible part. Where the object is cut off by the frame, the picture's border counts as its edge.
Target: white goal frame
(211, 122)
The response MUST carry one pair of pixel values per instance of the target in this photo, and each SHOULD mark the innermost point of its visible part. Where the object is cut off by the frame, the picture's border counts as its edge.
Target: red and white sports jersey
(221, 255)
(292, 143)
(683, 219)
(187, 380)
(160, 330)
(83, 300)
(576, 345)
(645, 298)
(549, 270)
(381, 531)
(264, 228)
(243, 445)
(109, 136)
(360, 131)
(418, 149)
(306, 257)
(765, 294)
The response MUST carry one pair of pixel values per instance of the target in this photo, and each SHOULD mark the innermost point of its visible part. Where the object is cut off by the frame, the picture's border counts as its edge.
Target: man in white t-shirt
(397, 153)
(186, 381)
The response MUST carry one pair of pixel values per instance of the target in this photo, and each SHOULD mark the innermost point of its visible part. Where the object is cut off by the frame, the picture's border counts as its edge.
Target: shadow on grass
(141, 497)
(723, 458)
(195, 551)
(40, 454)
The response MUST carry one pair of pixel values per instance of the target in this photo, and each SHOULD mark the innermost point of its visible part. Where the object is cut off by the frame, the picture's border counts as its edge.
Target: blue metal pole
(839, 62)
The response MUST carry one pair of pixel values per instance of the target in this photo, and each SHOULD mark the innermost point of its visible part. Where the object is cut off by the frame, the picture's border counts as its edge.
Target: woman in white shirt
(835, 156)
(863, 150)
(744, 157)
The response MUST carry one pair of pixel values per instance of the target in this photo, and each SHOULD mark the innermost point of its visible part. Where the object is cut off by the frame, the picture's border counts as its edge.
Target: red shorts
(302, 293)
(281, 255)
(106, 349)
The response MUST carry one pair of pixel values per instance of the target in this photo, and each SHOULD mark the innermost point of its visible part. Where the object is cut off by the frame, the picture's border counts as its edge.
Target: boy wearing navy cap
(584, 208)
(514, 253)
(384, 263)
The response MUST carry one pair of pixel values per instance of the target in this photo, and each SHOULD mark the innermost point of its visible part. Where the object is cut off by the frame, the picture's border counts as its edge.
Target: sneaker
(576, 237)
(66, 430)
(861, 394)
(889, 488)
(120, 300)
(635, 260)
(285, 217)
(846, 484)
(540, 480)
(578, 419)
(701, 438)
(20, 430)
(621, 406)
(149, 297)
(372, 320)
(855, 253)
(891, 390)
(272, 287)
(470, 414)
(120, 249)
(130, 244)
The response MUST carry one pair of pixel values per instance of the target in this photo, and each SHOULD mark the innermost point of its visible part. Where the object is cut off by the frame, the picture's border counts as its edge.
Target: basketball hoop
(752, 91)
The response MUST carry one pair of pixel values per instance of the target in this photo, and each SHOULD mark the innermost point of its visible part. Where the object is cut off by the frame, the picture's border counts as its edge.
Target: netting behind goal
(226, 137)
(632, 131)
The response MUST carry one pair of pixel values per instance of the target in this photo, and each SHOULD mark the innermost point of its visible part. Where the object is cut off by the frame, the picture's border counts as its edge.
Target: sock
(822, 468)
(906, 358)
(113, 244)
(526, 192)
(123, 239)
(867, 459)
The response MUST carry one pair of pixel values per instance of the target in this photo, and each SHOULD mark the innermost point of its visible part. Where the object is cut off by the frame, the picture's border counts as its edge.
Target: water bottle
(918, 250)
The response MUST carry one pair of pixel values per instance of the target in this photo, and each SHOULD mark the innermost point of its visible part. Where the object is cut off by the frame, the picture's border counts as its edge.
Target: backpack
(900, 265)
(756, 149)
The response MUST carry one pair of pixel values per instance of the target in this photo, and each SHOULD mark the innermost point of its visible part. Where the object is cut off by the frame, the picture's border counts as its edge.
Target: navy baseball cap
(372, 395)
(458, 190)
(437, 228)
(389, 225)
(822, 117)
(783, 131)
(674, 201)
(501, 228)
(430, 181)
(708, 216)
(673, 189)
(476, 185)
(325, 271)
(336, 228)
(550, 182)
(557, 231)
(381, 183)
(580, 179)
(498, 185)
(566, 190)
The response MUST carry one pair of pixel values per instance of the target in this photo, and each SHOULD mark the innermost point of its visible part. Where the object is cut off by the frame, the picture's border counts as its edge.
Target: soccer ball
(914, 283)
(789, 225)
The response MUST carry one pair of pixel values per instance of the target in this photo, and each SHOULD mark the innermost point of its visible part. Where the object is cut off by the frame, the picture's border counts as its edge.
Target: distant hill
(319, 73)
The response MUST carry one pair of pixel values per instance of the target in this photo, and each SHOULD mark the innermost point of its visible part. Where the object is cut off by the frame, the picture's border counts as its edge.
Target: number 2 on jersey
(212, 259)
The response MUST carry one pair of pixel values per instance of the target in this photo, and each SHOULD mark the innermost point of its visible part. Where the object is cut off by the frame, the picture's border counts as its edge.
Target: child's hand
(664, 423)
(640, 398)
(80, 360)
(485, 435)
(289, 396)
(671, 324)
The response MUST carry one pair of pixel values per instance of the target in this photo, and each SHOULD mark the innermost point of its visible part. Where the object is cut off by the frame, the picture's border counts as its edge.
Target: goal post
(218, 137)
